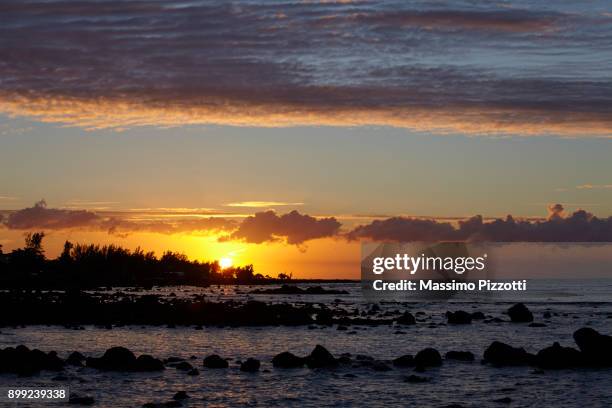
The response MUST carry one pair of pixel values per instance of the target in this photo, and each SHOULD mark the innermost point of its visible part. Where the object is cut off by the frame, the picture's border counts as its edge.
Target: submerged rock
(406, 319)
(501, 354)
(404, 361)
(415, 379)
(519, 313)
(122, 359)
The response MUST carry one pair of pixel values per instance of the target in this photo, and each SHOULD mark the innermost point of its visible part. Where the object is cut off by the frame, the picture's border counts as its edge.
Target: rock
(519, 313)
(25, 362)
(114, 359)
(546, 315)
(428, 357)
(76, 400)
(459, 355)
(478, 316)
(75, 359)
(404, 361)
(505, 400)
(183, 365)
(320, 357)
(406, 319)
(146, 362)
(251, 365)
(596, 347)
(415, 379)
(287, 360)
(537, 325)
(559, 357)
(215, 361)
(380, 366)
(193, 371)
(180, 395)
(459, 317)
(500, 354)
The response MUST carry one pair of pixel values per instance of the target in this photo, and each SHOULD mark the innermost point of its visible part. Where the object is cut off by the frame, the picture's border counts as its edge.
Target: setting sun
(225, 262)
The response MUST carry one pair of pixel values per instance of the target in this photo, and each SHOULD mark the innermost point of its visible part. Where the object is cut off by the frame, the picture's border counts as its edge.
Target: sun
(225, 262)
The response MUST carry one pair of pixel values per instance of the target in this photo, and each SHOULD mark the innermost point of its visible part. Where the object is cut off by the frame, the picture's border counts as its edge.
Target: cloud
(580, 226)
(259, 204)
(594, 187)
(41, 217)
(444, 67)
(294, 228)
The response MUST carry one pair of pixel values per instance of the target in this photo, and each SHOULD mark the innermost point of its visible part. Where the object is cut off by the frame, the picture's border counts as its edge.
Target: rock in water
(520, 314)
(406, 319)
(404, 361)
(320, 357)
(459, 355)
(146, 362)
(114, 359)
(459, 317)
(428, 357)
(559, 357)
(501, 354)
(251, 365)
(596, 347)
(287, 360)
(215, 361)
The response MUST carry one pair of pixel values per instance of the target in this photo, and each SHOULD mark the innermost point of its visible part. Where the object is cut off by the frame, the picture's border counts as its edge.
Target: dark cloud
(580, 226)
(294, 228)
(41, 217)
(449, 66)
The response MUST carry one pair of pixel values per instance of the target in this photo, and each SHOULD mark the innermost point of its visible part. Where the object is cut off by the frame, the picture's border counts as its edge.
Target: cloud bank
(448, 66)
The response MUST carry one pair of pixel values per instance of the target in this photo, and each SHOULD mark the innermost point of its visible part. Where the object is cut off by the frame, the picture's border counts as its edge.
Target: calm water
(573, 304)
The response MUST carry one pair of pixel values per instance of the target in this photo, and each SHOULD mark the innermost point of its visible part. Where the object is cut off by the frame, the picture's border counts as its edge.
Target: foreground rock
(428, 357)
(122, 359)
(320, 357)
(406, 319)
(25, 362)
(500, 354)
(294, 290)
(595, 347)
(459, 355)
(287, 360)
(559, 357)
(404, 361)
(519, 313)
(251, 365)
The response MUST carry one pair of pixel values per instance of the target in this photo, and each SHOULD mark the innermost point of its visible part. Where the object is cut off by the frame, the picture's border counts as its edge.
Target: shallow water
(468, 384)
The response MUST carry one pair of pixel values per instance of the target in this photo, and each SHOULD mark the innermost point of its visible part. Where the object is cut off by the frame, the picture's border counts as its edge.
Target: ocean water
(573, 304)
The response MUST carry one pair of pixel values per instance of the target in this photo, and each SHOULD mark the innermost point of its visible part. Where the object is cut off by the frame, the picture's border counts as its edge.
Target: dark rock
(406, 319)
(415, 379)
(146, 362)
(428, 357)
(459, 317)
(404, 361)
(380, 366)
(505, 400)
(76, 400)
(180, 395)
(320, 357)
(596, 347)
(536, 325)
(287, 360)
(251, 365)
(25, 362)
(114, 359)
(546, 315)
(519, 313)
(478, 316)
(215, 361)
(559, 357)
(193, 371)
(500, 354)
(459, 355)
(75, 359)
(183, 365)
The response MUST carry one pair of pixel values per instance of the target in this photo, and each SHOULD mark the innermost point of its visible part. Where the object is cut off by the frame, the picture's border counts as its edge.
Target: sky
(283, 133)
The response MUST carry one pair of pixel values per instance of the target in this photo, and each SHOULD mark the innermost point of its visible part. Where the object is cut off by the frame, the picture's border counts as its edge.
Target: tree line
(90, 265)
